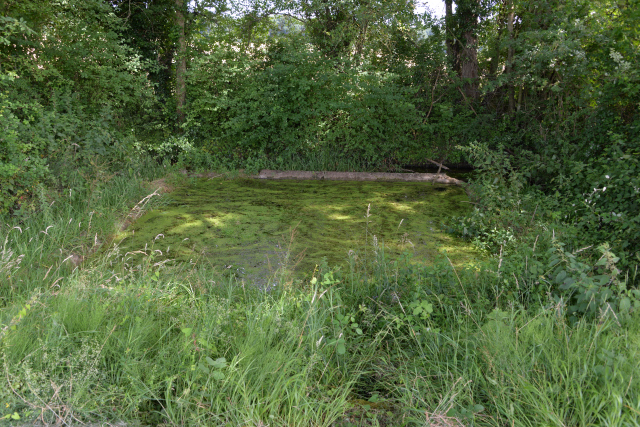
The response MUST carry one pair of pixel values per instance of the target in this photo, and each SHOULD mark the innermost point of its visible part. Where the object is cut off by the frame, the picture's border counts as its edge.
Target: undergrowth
(373, 342)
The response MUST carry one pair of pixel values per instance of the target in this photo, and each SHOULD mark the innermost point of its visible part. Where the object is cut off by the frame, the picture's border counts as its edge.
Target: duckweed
(254, 227)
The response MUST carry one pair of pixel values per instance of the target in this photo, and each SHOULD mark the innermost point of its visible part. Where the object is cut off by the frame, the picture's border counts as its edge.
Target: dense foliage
(69, 88)
(296, 103)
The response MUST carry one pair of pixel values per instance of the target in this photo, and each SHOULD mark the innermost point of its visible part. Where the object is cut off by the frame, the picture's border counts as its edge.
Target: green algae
(247, 225)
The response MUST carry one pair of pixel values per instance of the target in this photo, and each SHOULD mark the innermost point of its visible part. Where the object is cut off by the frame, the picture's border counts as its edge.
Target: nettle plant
(505, 207)
(610, 206)
(591, 290)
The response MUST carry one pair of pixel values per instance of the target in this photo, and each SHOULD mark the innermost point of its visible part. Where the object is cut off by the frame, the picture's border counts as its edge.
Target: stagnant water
(253, 227)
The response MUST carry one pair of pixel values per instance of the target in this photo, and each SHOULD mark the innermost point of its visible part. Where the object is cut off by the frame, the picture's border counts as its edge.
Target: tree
(181, 67)
(462, 42)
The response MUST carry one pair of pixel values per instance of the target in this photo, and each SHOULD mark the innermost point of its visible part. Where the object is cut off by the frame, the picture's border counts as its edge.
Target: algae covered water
(254, 227)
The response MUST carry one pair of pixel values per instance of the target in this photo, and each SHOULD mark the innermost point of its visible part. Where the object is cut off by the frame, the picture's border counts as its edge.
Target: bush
(21, 166)
(606, 198)
(299, 103)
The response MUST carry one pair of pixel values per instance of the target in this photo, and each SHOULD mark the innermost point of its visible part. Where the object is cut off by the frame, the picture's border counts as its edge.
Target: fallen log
(436, 178)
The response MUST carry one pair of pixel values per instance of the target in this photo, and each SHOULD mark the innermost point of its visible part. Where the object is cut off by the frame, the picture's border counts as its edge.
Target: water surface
(253, 227)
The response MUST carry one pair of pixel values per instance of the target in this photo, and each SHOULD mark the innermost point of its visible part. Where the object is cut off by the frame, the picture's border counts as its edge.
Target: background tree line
(543, 96)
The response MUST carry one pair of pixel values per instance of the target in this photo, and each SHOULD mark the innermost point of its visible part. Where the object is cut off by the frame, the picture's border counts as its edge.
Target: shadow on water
(255, 227)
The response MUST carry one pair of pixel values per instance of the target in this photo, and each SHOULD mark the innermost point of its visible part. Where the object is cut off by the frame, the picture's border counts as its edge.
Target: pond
(253, 227)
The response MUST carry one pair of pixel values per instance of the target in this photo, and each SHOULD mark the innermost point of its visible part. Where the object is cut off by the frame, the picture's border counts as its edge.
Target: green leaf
(554, 262)
(625, 304)
(428, 307)
(341, 349)
(219, 363)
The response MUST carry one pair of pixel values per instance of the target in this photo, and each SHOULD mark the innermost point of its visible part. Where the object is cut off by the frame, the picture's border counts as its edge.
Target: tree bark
(469, 65)
(495, 58)
(181, 63)
(468, 51)
(436, 178)
(510, 54)
(449, 28)
(360, 41)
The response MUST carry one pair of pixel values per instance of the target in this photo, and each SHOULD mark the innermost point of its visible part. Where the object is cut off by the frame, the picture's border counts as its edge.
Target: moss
(247, 224)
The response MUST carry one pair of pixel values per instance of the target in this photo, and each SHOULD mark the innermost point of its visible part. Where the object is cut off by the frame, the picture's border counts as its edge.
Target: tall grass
(523, 369)
(377, 342)
(174, 348)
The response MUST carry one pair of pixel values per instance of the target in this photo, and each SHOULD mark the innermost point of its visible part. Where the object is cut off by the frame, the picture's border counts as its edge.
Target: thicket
(68, 87)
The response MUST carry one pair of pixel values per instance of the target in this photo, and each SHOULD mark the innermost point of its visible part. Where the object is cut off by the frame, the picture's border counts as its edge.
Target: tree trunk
(181, 63)
(468, 51)
(449, 28)
(362, 36)
(510, 53)
(495, 58)
(469, 65)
